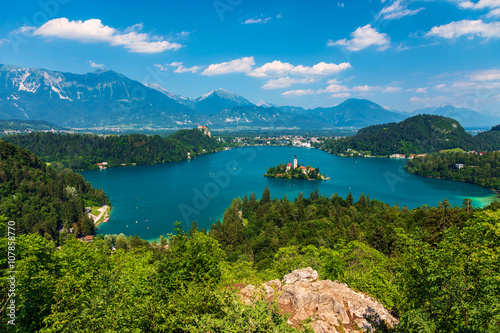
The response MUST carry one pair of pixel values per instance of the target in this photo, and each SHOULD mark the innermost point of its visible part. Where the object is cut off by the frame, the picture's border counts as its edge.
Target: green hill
(42, 200)
(415, 135)
(84, 151)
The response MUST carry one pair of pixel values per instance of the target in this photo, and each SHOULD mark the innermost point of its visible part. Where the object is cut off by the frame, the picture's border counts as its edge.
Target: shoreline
(152, 237)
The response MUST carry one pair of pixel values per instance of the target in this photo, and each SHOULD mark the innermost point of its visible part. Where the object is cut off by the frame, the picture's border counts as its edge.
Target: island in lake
(295, 171)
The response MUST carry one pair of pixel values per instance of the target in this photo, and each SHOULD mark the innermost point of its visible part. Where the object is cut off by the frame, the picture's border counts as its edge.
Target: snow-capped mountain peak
(265, 104)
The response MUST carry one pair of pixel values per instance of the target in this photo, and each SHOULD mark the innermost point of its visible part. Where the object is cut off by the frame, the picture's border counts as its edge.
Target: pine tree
(266, 196)
(350, 199)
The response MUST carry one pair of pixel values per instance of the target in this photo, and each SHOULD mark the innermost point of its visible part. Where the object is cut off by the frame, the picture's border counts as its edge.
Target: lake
(147, 200)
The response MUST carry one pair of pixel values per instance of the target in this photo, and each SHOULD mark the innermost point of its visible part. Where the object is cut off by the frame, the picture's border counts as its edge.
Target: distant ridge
(358, 113)
(467, 117)
(107, 99)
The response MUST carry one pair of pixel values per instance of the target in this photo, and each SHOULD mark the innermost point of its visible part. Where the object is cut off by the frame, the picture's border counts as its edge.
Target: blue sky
(400, 54)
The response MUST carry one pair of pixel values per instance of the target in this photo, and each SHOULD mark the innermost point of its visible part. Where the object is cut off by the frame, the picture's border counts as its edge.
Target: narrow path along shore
(103, 210)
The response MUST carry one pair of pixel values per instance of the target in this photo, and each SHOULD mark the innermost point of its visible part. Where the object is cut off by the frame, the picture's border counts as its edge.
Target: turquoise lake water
(147, 200)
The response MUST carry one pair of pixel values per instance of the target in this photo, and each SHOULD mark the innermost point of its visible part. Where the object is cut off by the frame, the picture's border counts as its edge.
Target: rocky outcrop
(329, 307)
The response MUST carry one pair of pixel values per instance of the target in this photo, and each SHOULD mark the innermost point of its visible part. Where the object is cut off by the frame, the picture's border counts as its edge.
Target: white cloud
(492, 5)
(440, 86)
(490, 75)
(257, 20)
(24, 30)
(4, 42)
(421, 90)
(427, 100)
(180, 67)
(362, 38)
(365, 88)
(299, 92)
(402, 47)
(391, 89)
(241, 65)
(397, 10)
(94, 65)
(193, 69)
(278, 68)
(285, 82)
(338, 88)
(334, 87)
(275, 68)
(341, 95)
(466, 27)
(94, 31)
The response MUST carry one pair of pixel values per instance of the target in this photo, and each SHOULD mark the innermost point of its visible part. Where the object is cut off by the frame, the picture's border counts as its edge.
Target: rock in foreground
(329, 307)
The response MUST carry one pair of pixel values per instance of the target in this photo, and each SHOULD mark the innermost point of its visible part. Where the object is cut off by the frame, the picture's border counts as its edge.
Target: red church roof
(289, 164)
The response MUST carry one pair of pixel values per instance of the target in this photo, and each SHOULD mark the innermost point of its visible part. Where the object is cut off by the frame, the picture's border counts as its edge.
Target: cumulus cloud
(93, 30)
(470, 28)
(397, 10)
(299, 92)
(362, 38)
(440, 86)
(338, 88)
(492, 5)
(369, 89)
(94, 65)
(257, 20)
(421, 90)
(285, 82)
(241, 65)
(278, 68)
(341, 95)
(427, 100)
(490, 75)
(335, 87)
(390, 89)
(180, 67)
(4, 42)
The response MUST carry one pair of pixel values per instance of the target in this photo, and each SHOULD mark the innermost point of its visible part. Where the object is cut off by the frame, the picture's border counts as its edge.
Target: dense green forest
(84, 151)
(483, 170)
(436, 268)
(415, 135)
(42, 200)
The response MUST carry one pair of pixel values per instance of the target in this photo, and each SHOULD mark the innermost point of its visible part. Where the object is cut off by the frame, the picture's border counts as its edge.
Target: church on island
(295, 171)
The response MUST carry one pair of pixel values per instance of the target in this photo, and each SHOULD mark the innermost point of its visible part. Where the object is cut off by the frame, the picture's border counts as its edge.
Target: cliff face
(329, 307)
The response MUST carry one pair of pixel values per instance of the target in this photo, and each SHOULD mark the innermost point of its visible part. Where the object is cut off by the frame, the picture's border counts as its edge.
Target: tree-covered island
(295, 171)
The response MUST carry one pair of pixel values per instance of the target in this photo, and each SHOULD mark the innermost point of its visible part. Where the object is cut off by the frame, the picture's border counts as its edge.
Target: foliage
(42, 200)
(84, 151)
(479, 169)
(415, 135)
(454, 285)
(88, 287)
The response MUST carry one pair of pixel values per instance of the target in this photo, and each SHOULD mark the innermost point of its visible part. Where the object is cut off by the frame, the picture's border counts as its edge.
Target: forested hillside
(42, 200)
(437, 269)
(415, 135)
(479, 169)
(84, 151)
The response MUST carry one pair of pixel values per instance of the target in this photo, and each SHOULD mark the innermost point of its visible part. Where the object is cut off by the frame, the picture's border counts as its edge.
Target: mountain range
(105, 98)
